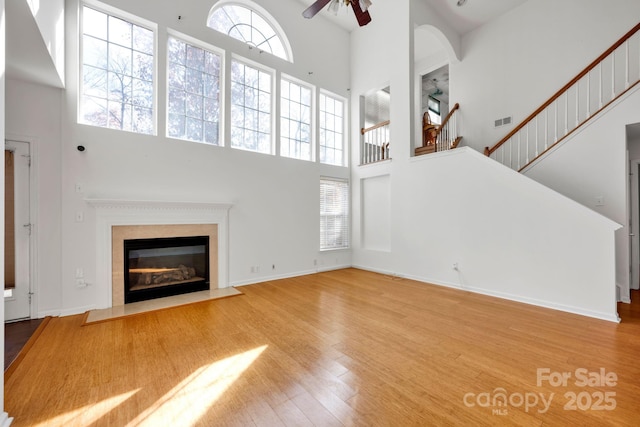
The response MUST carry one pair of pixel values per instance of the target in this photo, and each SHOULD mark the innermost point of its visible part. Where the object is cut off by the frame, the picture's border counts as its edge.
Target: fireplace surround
(118, 220)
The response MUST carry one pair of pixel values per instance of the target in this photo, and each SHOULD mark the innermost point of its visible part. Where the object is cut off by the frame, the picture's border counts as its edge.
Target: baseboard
(263, 279)
(5, 420)
(48, 313)
(67, 312)
(503, 295)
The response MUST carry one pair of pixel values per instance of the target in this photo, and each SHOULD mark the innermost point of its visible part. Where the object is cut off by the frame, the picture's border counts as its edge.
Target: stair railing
(375, 143)
(447, 137)
(440, 137)
(594, 89)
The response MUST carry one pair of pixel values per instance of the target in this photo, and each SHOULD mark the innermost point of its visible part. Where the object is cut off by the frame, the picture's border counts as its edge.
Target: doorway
(17, 292)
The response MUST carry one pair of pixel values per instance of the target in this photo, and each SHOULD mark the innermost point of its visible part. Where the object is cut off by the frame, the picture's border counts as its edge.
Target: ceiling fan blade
(363, 17)
(316, 7)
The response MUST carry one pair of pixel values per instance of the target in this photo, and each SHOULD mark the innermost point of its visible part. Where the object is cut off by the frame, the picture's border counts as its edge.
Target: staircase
(605, 80)
(441, 137)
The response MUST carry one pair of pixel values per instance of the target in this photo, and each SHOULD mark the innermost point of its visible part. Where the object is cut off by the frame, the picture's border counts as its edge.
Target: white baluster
(566, 113)
(546, 128)
(588, 94)
(527, 130)
(626, 60)
(577, 103)
(519, 154)
(537, 136)
(511, 153)
(600, 86)
(613, 75)
(555, 139)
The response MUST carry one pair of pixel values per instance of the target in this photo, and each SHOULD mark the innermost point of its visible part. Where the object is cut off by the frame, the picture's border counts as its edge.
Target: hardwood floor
(339, 348)
(16, 336)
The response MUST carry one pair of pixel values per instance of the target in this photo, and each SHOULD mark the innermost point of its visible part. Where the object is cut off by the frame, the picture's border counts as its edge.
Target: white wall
(49, 16)
(275, 216)
(33, 115)
(513, 64)
(459, 207)
(511, 237)
(592, 164)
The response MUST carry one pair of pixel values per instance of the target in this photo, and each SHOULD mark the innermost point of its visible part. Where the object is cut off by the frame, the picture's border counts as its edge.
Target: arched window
(251, 24)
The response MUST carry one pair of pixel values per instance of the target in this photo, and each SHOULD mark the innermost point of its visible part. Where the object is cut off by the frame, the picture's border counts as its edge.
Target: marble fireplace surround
(118, 215)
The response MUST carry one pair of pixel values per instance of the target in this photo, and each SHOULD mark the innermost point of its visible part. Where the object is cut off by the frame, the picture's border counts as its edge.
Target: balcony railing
(375, 143)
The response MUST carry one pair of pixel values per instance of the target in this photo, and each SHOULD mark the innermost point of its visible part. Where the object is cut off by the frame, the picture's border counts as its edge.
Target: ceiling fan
(359, 9)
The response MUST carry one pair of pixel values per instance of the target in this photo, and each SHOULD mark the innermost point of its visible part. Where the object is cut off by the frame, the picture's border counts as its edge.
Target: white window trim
(264, 14)
(223, 81)
(275, 115)
(314, 115)
(346, 139)
(133, 19)
(349, 231)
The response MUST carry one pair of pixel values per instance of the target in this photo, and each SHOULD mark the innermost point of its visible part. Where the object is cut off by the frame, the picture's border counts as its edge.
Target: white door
(17, 300)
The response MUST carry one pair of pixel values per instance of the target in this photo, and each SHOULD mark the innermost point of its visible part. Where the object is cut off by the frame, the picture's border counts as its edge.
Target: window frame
(345, 132)
(272, 105)
(262, 13)
(221, 89)
(313, 119)
(346, 216)
(131, 19)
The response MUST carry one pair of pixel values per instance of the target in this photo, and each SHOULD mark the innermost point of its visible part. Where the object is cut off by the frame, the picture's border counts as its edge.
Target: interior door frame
(634, 212)
(33, 209)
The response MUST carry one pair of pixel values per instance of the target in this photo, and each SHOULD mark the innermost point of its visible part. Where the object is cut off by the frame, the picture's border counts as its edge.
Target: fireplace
(160, 267)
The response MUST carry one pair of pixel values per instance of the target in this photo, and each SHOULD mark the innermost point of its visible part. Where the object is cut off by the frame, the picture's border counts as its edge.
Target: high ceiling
(463, 19)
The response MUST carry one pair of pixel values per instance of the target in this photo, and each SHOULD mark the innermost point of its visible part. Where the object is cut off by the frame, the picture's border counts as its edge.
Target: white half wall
(510, 236)
(591, 168)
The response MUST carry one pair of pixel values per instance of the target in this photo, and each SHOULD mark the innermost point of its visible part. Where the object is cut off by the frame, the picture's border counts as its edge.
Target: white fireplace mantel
(110, 212)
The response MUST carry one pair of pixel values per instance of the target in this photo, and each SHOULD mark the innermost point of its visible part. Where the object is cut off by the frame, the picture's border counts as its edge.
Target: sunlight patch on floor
(89, 414)
(187, 402)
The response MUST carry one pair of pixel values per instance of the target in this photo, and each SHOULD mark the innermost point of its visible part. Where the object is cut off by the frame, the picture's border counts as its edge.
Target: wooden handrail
(446, 119)
(376, 126)
(488, 151)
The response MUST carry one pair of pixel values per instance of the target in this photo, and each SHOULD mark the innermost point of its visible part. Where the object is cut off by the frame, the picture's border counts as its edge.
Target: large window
(332, 147)
(295, 120)
(334, 214)
(251, 25)
(117, 73)
(194, 93)
(250, 108)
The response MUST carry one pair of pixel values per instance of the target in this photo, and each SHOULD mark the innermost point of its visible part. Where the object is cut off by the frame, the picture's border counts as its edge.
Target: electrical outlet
(455, 266)
(78, 187)
(81, 283)
(79, 216)
(79, 273)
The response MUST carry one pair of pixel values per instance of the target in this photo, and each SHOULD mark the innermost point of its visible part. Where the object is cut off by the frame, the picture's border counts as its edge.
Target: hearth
(160, 267)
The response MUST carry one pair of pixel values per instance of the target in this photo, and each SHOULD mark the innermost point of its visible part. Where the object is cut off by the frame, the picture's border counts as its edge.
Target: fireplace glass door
(156, 268)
